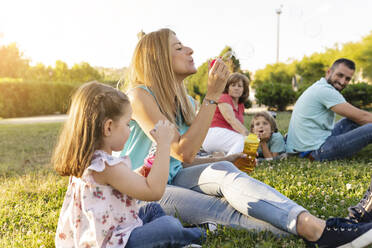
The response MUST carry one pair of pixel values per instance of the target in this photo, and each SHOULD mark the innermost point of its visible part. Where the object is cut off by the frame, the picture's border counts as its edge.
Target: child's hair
(267, 117)
(92, 104)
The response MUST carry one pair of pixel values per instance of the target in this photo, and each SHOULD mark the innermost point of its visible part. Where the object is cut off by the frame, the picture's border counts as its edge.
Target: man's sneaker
(340, 232)
(362, 212)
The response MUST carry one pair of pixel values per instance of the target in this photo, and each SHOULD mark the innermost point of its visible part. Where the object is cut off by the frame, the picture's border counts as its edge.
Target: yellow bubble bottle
(248, 163)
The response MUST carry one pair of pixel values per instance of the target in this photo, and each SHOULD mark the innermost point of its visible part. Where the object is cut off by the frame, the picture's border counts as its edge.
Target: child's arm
(264, 140)
(266, 151)
(277, 145)
(150, 188)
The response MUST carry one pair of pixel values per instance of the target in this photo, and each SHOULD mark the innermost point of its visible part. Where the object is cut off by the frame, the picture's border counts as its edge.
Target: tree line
(273, 83)
(13, 65)
(279, 85)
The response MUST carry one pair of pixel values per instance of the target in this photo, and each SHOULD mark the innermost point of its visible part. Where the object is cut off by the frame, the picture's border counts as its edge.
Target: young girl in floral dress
(100, 208)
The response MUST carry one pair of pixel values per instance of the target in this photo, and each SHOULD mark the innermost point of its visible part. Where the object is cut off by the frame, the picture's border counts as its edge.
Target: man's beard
(333, 83)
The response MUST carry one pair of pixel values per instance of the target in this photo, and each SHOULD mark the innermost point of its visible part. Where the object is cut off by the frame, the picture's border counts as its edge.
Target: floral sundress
(95, 215)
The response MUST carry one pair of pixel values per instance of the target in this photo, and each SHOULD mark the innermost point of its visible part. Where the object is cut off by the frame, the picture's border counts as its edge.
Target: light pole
(278, 11)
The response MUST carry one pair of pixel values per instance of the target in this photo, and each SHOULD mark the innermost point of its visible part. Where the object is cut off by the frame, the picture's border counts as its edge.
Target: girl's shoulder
(101, 158)
(277, 135)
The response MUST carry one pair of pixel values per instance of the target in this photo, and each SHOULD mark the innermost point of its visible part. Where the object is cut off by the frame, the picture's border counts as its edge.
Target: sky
(104, 32)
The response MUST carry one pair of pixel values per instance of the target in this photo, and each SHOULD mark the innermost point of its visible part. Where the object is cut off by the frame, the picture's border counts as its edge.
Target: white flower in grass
(299, 183)
(348, 186)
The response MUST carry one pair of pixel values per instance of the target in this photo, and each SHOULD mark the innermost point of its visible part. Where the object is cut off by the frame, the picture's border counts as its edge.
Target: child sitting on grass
(100, 207)
(271, 141)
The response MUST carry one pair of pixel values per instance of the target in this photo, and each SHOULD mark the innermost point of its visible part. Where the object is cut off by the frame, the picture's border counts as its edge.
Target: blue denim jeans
(160, 230)
(221, 193)
(346, 139)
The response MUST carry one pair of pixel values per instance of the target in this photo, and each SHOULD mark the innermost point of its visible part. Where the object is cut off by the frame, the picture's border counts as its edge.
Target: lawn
(32, 193)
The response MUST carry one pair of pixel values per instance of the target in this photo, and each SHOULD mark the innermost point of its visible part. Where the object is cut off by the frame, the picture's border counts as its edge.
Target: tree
(311, 69)
(275, 95)
(196, 84)
(12, 63)
(61, 72)
(274, 73)
(40, 73)
(83, 72)
(364, 58)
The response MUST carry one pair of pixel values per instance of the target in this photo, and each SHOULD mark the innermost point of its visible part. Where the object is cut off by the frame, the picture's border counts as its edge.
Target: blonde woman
(159, 66)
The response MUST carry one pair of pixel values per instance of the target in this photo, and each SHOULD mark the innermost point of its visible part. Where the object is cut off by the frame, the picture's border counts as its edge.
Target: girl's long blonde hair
(152, 66)
(92, 104)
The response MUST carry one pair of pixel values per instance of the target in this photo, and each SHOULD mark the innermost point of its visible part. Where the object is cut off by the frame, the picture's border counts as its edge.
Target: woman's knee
(224, 165)
(368, 128)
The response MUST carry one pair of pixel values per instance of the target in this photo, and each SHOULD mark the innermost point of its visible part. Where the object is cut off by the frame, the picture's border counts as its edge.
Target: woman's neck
(235, 100)
(179, 80)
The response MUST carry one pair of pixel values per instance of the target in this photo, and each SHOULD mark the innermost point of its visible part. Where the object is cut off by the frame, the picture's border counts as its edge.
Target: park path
(35, 119)
(62, 118)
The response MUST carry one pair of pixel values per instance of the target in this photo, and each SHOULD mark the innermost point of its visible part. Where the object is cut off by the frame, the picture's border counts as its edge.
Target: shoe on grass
(344, 233)
(192, 246)
(362, 212)
(209, 226)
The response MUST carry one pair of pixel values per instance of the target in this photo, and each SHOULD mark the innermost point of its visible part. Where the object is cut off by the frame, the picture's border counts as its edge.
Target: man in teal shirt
(312, 129)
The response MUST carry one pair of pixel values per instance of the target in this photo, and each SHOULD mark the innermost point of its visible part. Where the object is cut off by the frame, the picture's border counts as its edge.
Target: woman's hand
(232, 157)
(215, 158)
(217, 78)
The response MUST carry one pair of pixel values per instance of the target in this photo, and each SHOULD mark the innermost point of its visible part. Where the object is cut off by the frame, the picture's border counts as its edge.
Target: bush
(359, 95)
(20, 99)
(248, 103)
(275, 95)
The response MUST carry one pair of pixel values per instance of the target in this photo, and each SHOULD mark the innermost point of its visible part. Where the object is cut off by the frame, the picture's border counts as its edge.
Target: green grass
(32, 193)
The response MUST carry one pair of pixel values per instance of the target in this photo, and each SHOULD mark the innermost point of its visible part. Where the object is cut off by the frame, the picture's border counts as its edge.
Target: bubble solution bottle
(248, 163)
(145, 169)
(148, 161)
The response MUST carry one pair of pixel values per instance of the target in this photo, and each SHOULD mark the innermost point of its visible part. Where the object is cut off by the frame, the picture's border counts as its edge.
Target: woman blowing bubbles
(159, 66)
